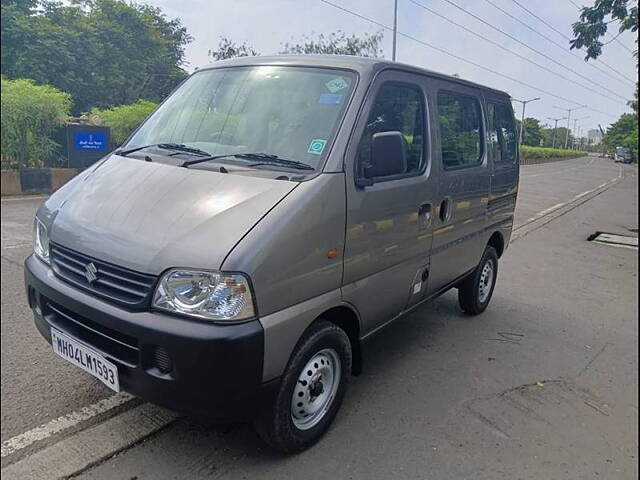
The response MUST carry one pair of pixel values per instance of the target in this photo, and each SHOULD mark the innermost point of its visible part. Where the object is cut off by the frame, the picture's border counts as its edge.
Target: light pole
(524, 104)
(569, 110)
(575, 126)
(555, 128)
(395, 29)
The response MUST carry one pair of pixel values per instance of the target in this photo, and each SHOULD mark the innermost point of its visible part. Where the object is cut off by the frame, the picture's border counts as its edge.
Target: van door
(389, 221)
(463, 186)
(503, 153)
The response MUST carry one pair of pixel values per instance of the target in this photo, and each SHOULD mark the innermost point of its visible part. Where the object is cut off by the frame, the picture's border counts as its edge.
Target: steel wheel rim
(315, 389)
(486, 281)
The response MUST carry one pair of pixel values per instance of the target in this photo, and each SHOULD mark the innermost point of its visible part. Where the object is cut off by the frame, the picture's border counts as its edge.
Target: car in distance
(232, 257)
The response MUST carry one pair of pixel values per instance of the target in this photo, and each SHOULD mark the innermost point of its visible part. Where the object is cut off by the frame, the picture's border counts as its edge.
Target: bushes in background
(29, 114)
(543, 152)
(124, 119)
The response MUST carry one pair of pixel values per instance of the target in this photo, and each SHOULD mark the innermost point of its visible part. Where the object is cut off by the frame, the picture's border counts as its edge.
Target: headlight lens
(209, 295)
(40, 240)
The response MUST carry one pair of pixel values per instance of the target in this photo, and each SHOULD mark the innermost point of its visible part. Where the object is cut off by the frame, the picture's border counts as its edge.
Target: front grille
(117, 345)
(111, 282)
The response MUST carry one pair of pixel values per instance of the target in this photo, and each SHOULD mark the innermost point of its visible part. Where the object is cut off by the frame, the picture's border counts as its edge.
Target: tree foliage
(29, 114)
(124, 119)
(227, 48)
(623, 133)
(532, 131)
(336, 43)
(595, 21)
(103, 52)
(560, 135)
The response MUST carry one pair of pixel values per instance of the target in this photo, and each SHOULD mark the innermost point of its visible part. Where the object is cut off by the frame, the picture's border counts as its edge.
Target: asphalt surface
(542, 385)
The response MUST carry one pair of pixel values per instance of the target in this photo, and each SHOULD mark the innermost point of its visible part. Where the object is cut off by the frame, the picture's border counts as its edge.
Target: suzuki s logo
(91, 272)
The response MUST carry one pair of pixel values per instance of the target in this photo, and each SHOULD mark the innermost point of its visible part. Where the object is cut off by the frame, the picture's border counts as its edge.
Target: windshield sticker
(330, 98)
(336, 84)
(316, 146)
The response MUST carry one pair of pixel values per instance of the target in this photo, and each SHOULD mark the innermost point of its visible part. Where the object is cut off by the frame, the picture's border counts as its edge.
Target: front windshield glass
(290, 112)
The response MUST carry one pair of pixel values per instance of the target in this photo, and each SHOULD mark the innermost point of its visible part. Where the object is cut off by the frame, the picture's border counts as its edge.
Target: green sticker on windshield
(316, 146)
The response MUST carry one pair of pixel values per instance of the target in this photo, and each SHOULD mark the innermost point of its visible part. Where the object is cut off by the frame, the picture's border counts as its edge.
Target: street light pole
(569, 110)
(395, 29)
(555, 128)
(524, 104)
(575, 126)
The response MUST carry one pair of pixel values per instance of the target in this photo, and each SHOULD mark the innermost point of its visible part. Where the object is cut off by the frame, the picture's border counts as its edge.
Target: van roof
(365, 66)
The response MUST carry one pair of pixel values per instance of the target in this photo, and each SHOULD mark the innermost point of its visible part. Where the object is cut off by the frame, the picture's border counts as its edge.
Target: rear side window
(460, 130)
(502, 133)
(397, 107)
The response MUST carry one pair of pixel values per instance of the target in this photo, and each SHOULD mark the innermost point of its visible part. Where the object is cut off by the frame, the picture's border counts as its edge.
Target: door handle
(445, 210)
(424, 215)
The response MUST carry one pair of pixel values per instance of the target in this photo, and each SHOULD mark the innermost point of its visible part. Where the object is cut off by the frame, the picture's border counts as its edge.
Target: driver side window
(398, 107)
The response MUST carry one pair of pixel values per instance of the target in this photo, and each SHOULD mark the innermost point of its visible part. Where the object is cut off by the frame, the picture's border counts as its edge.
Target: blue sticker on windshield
(330, 98)
(316, 146)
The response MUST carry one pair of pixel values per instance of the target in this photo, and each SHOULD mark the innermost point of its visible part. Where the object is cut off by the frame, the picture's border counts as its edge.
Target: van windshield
(291, 112)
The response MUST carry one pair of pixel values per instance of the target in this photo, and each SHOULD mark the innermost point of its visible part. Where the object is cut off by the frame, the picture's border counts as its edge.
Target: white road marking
(602, 185)
(17, 245)
(79, 451)
(23, 198)
(62, 423)
(550, 209)
(580, 195)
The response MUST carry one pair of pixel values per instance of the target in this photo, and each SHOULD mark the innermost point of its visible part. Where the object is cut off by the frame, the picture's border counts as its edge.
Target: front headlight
(40, 240)
(215, 296)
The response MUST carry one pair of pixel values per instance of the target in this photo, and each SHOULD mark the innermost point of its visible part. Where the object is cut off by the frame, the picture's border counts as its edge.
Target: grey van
(273, 213)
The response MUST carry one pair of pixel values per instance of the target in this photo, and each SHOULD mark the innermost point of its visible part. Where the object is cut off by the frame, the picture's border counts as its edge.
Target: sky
(266, 25)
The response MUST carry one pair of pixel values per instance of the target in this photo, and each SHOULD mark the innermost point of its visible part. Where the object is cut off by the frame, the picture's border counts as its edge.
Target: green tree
(103, 52)
(336, 43)
(29, 114)
(124, 119)
(595, 21)
(593, 25)
(623, 133)
(532, 131)
(227, 48)
(560, 136)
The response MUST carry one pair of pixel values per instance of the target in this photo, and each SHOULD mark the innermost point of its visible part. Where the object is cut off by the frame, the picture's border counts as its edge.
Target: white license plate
(86, 358)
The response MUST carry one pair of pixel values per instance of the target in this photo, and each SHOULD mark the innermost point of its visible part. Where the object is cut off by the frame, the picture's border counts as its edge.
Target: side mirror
(388, 156)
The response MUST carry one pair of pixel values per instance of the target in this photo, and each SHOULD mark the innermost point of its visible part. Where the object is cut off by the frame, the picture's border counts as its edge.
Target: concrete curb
(553, 213)
(88, 447)
(34, 180)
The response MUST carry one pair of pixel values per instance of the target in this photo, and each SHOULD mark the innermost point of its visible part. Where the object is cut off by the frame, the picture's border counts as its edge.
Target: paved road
(443, 395)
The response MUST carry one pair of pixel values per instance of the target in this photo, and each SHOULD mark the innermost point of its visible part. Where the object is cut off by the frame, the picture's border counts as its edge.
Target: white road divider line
(550, 209)
(17, 245)
(59, 424)
(580, 195)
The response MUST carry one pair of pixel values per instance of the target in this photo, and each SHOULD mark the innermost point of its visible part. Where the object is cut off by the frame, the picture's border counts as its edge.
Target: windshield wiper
(264, 158)
(178, 147)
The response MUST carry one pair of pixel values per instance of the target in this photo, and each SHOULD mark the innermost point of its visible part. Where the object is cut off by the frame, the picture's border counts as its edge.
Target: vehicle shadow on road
(388, 355)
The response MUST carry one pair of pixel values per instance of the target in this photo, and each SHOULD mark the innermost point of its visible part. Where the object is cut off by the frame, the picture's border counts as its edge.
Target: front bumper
(186, 365)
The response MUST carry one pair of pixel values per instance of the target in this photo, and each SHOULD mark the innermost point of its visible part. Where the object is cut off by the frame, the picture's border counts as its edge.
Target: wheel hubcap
(315, 389)
(486, 281)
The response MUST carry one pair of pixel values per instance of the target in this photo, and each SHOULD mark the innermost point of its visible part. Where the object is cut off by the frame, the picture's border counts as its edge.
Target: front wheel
(475, 291)
(311, 391)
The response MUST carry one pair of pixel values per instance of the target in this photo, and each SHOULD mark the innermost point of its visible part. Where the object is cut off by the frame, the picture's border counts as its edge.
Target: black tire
(469, 292)
(276, 425)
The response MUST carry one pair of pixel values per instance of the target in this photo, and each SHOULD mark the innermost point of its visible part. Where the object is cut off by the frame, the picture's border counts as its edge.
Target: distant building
(594, 136)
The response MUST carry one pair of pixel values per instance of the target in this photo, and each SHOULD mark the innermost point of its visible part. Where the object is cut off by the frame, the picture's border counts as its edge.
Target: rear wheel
(311, 391)
(475, 291)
